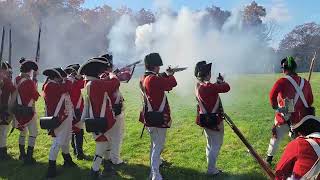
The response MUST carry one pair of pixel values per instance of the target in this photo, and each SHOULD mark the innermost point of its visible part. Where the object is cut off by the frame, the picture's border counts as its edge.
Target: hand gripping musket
(123, 69)
(34, 76)
(2, 43)
(256, 156)
(312, 65)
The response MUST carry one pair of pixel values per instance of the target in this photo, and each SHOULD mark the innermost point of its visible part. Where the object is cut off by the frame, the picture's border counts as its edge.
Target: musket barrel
(256, 156)
(2, 43)
(10, 47)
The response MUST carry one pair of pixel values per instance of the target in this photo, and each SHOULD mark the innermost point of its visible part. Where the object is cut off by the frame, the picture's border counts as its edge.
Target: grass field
(247, 104)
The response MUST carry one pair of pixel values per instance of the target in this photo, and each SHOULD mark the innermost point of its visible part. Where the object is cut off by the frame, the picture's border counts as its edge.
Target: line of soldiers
(96, 102)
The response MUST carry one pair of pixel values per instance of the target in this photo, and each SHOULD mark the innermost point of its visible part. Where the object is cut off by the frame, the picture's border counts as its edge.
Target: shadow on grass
(14, 170)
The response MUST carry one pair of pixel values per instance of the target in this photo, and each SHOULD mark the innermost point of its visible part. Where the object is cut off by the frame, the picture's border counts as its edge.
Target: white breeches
(158, 138)
(282, 131)
(32, 129)
(214, 143)
(117, 133)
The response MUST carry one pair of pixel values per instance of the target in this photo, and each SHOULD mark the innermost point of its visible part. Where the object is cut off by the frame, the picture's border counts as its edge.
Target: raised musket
(37, 58)
(10, 47)
(2, 43)
(312, 65)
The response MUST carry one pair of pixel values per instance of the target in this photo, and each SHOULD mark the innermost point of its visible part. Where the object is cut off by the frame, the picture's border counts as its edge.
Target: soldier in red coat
(77, 101)
(6, 90)
(56, 92)
(156, 111)
(26, 96)
(300, 159)
(98, 110)
(210, 112)
(291, 97)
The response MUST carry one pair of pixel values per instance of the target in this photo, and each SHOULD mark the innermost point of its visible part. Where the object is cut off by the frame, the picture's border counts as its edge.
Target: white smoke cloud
(187, 38)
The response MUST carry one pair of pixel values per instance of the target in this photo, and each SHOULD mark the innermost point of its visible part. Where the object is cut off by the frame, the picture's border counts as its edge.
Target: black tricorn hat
(153, 59)
(28, 65)
(109, 57)
(202, 69)
(93, 66)
(55, 73)
(6, 66)
(72, 68)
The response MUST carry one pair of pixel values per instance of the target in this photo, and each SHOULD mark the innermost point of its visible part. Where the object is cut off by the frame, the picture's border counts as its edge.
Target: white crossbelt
(299, 92)
(314, 172)
(201, 106)
(18, 94)
(104, 103)
(150, 109)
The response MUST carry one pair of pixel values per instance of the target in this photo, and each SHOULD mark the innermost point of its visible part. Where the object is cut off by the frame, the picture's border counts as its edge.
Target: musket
(312, 65)
(10, 47)
(37, 58)
(177, 69)
(133, 64)
(2, 43)
(256, 156)
(38, 44)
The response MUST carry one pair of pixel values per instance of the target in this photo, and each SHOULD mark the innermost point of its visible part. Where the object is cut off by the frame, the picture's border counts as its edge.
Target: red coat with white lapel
(76, 97)
(52, 92)
(28, 92)
(297, 159)
(283, 89)
(98, 87)
(155, 87)
(106, 76)
(209, 94)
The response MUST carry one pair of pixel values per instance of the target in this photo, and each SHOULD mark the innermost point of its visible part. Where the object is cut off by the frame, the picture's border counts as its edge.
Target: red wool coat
(209, 94)
(7, 90)
(297, 159)
(28, 92)
(77, 86)
(98, 88)
(283, 89)
(155, 87)
(52, 92)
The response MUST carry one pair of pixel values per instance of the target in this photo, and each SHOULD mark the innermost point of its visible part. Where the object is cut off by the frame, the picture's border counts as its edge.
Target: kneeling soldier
(24, 110)
(59, 108)
(209, 112)
(300, 159)
(98, 114)
(156, 111)
(6, 90)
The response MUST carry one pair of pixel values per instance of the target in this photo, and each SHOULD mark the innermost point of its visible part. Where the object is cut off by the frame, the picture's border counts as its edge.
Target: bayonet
(10, 47)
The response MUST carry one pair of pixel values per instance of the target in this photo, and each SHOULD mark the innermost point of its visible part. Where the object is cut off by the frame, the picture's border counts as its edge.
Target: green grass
(247, 104)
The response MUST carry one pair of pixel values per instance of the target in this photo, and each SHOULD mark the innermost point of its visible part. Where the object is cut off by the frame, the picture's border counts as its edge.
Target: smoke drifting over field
(186, 38)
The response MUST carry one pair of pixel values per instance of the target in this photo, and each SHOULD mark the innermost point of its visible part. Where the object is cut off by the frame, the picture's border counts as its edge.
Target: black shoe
(82, 156)
(94, 174)
(22, 155)
(52, 169)
(108, 169)
(68, 161)
(269, 160)
(4, 154)
(29, 160)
